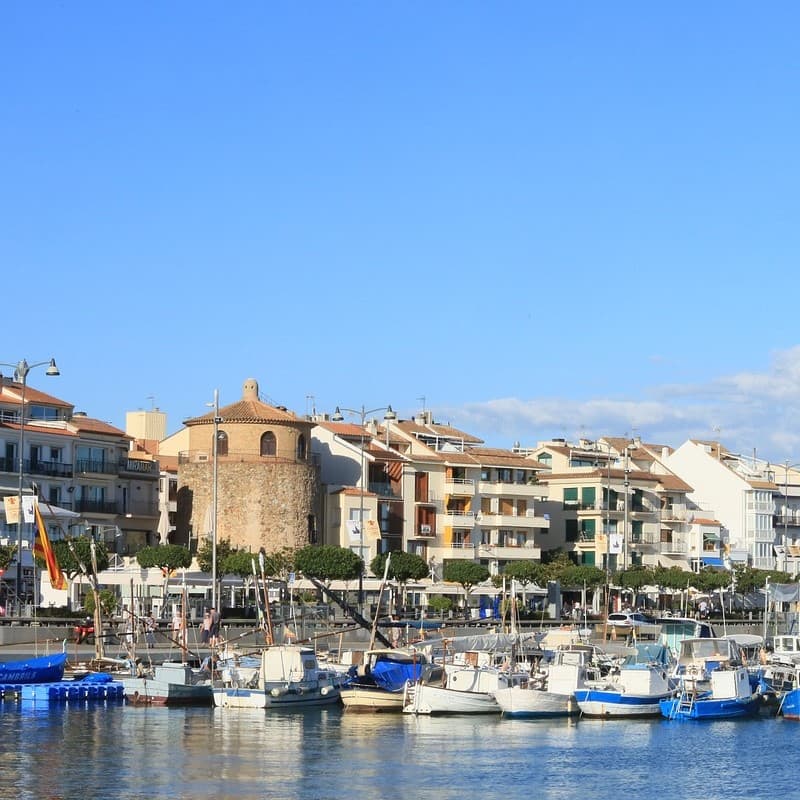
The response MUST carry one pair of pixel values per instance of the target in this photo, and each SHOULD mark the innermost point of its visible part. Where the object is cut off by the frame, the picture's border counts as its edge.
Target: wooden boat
(378, 683)
(42, 669)
(173, 683)
(289, 676)
(713, 682)
(635, 689)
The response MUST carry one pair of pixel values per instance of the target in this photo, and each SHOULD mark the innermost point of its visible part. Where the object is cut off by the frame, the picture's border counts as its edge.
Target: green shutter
(571, 495)
(588, 496)
(588, 558)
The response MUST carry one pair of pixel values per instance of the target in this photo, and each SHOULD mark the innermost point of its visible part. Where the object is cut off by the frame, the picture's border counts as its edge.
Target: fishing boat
(41, 669)
(634, 689)
(712, 682)
(378, 683)
(550, 692)
(289, 676)
(173, 683)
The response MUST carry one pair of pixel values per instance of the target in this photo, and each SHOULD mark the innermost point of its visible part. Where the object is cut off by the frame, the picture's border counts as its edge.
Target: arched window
(301, 447)
(268, 444)
(222, 443)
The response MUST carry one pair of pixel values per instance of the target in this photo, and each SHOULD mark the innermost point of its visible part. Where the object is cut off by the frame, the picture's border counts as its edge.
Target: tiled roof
(12, 392)
(673, 483)
(435, 429)
(250, 411)
(34, 428)
(705, 521)
(89, 425)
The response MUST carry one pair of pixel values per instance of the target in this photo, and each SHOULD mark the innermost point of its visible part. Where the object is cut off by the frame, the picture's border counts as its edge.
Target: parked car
(629, 619)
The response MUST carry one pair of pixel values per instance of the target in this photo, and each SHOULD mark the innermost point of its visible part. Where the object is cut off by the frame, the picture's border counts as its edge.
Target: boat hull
(371, 699)
(426, 699)
(148, 691)
(517, 702)
(727, 708)
(790, 704)
(44, 669)
(595, 703)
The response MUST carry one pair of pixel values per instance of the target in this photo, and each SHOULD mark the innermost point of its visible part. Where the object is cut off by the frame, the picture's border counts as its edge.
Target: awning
(56, 512)
(712, 561)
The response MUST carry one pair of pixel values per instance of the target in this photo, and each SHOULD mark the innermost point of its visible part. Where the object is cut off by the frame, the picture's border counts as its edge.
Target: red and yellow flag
(44, 550)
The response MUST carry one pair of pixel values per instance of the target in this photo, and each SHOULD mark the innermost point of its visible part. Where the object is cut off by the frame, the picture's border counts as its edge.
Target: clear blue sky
(547, 219)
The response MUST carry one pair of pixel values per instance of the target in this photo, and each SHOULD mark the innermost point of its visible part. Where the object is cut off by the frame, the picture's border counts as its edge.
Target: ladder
(685, 703)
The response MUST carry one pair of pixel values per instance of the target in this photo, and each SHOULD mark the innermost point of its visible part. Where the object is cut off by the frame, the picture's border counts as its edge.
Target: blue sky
(545, 219)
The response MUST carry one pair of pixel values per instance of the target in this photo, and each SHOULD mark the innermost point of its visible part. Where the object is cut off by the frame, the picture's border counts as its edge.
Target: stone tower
(267, 486)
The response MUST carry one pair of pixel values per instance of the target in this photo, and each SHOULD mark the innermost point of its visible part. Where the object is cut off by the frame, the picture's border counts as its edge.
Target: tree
(72, 553)
(464, 572)
(403, 567)
(526, 572)
(108, 602)
(7, 553)
(205, 554)
(328, 563)
(635, 578)
(167, 557)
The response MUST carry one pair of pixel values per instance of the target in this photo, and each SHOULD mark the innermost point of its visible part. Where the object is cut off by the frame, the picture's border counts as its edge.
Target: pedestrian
(205, 627)
(178, 628)
(213, 635)
(150, 626)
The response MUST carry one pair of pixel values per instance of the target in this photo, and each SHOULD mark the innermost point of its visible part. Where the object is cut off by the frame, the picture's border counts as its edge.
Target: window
(486, 474)
(571, 529)
(222, 443)
(545, 458)
(588, 530)
(301, 447)
(268, 444)
(588, 496)
(571, 496)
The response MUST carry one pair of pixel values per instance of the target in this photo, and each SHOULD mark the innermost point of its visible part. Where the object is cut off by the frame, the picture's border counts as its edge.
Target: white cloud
(746, 411)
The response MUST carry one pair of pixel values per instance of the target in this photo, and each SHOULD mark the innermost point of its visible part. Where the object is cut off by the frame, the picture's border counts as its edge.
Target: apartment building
(620, 505)
(746, 495)
(87, 478)
(430, 489)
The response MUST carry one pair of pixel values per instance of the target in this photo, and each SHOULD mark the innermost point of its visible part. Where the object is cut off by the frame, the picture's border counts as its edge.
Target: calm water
(125, 752)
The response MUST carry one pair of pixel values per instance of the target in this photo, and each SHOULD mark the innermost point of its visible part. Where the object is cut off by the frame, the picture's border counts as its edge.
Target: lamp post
(21, 370)
(214, 494)
(362, 413)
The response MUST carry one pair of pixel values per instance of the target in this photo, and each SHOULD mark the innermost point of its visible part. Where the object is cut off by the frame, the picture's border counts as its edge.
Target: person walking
(214, 629)
(150, 626)
(205, 628)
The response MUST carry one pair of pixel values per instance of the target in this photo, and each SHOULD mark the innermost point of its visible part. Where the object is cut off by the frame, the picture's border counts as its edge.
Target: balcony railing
(384, 489)
(85, 465)
(95, 507)
(52, 469)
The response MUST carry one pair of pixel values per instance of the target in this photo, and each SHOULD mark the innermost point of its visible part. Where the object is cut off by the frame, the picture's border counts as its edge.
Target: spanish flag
(44, 550)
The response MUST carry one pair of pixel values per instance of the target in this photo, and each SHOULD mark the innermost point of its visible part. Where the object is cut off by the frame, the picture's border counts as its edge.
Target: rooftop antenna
(152, 399)
(311, 400)
(422, 400)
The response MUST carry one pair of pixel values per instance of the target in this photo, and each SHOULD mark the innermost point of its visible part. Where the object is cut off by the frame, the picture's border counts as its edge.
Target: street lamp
(362, 413)
(21, 370)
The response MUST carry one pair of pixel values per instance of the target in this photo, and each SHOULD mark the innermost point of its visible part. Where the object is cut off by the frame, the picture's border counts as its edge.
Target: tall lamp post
(362, 412)
(21, 370)
(214, 496)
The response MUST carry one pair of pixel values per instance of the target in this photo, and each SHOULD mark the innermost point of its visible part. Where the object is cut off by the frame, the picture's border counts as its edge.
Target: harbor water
(118, 751)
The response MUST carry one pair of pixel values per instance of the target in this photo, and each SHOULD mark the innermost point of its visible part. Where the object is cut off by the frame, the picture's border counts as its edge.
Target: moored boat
(289, 676)
(713, 682)
(41, 669)
(378, 683)
(173, 683)
(634, 690)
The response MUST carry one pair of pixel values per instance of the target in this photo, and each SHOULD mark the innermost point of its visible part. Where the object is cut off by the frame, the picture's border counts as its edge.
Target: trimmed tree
(328, 563)
(464, 572)
(403, 567)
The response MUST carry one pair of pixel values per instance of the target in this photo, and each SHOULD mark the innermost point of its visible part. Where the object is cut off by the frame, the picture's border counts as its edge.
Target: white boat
(635, 689)
(289, 676)
(465, 687)
(713, 682)
(551, 690)
(172, 683)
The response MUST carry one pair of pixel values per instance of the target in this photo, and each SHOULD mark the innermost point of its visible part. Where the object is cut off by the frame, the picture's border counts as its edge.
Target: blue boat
(42, 669)
(713, 682)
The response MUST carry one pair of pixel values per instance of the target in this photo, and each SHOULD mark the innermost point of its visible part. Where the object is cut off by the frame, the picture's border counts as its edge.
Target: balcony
(527, 520)
(95, 507)
(384, 490)
(675, 548)
(138, 466)
(458, 518)
(52, 469)
(462, 487)
(426, 531)
(512, 489)
(677, 512)
(86, 466)
(510, 553)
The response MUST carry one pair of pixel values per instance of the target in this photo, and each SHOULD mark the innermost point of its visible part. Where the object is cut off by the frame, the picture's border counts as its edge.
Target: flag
(44, 550)
(11, 507)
